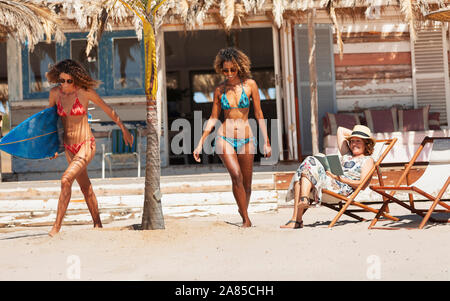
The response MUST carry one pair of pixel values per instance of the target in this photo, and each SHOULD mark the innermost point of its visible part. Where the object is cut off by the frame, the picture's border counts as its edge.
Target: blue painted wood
(27, 94)
(118, 145)
(107, 73)
(34, 138)
(105, 56)
(66, 52)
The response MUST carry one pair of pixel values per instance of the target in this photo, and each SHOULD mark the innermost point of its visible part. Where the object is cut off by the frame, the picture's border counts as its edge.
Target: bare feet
(96, 226)
(246, 224)
(292, 224)
(53, 232)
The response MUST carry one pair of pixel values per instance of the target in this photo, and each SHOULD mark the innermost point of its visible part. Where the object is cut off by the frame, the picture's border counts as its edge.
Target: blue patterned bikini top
(244, 102)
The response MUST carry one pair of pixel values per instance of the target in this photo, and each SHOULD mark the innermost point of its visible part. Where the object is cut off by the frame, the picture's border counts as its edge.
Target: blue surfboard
(37, 137)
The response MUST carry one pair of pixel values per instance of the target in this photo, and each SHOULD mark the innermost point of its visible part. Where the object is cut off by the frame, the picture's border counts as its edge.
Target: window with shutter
(430, 72)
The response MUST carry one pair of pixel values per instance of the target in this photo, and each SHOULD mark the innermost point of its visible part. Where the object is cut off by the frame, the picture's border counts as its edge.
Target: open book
(330, 162)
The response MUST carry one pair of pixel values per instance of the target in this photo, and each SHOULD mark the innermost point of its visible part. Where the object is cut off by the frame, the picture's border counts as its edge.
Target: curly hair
(237, 57)
(369, 147)
(81, 77)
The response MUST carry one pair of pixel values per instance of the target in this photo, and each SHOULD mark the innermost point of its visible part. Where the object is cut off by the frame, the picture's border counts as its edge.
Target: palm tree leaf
(406, 7)
(227, 12)
(29, 22)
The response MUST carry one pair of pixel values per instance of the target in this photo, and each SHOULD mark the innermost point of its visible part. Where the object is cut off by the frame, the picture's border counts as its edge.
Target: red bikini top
(77, 108)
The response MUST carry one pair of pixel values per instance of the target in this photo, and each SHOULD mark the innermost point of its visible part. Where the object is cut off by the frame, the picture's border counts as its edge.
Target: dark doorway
(191, 78)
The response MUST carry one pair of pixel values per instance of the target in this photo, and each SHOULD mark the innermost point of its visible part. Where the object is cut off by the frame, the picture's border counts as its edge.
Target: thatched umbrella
(30, 22)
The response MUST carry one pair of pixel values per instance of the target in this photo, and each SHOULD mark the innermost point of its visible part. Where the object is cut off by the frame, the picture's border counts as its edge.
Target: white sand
(207, 248)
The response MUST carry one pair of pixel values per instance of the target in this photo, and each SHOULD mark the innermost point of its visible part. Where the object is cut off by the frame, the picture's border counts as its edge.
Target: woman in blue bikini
(235, 143)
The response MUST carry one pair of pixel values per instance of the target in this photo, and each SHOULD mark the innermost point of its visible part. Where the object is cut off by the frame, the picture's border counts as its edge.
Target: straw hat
(361, 131)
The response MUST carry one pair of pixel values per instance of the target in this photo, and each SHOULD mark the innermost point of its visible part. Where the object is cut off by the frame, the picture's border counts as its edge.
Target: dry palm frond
(277, 10)
(97, 16)
(96, 31)
(240, 13)
(407, 9)
(250, 5)
(332, 13)
(192, 13)
(298, 16)
(202, 11)
(227, 12)
(29, 22)
(353, 13)
(184, 7)
(83, 11)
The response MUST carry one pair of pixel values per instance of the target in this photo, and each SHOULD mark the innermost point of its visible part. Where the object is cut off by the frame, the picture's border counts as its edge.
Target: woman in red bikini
(71, 97)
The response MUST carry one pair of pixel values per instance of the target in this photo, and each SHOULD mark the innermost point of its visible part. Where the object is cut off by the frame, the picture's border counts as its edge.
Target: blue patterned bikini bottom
(237, 143)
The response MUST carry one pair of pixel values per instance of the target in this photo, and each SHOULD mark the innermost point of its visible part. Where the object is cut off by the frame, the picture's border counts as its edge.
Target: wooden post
(313, 81)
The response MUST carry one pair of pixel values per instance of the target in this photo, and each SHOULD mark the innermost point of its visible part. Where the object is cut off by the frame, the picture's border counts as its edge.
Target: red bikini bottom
(75, 148)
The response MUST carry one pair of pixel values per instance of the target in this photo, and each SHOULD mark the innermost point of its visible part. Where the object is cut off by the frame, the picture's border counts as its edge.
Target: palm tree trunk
(152, 216)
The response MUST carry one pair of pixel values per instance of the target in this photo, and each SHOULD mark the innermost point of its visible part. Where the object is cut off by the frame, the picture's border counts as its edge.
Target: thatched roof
(192, 13)
(95, 16)
(99, 15)
(28, 21)
(442, 15)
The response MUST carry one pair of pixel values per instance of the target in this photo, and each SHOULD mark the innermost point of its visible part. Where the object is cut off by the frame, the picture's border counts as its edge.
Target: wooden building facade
(380, 67)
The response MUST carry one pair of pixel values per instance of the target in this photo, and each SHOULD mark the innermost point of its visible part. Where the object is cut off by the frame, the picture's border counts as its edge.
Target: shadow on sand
(17, 235)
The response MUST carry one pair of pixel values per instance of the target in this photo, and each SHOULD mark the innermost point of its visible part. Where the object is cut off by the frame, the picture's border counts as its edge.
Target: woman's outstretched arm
(215, 113)
(95, 98)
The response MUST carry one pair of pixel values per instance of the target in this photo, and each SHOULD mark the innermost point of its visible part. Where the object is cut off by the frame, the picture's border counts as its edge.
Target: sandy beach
(210, 248)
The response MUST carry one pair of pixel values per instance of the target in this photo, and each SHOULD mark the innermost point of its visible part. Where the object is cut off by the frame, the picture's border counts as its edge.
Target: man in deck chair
(432, 186)
(311, 183)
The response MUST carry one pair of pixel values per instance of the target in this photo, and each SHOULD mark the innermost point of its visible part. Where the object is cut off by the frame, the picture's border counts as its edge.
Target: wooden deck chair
(341, 203)
(432, 186)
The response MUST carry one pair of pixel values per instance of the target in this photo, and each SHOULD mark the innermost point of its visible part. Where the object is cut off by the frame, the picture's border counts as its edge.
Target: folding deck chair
(435, 180)
(341, 203)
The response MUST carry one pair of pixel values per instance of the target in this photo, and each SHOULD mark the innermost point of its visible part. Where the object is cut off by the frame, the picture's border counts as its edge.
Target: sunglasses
(62, 81)
(228, 70)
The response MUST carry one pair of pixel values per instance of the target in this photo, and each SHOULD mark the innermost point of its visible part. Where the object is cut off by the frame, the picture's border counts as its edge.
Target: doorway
(191, 79)
(326, 90)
